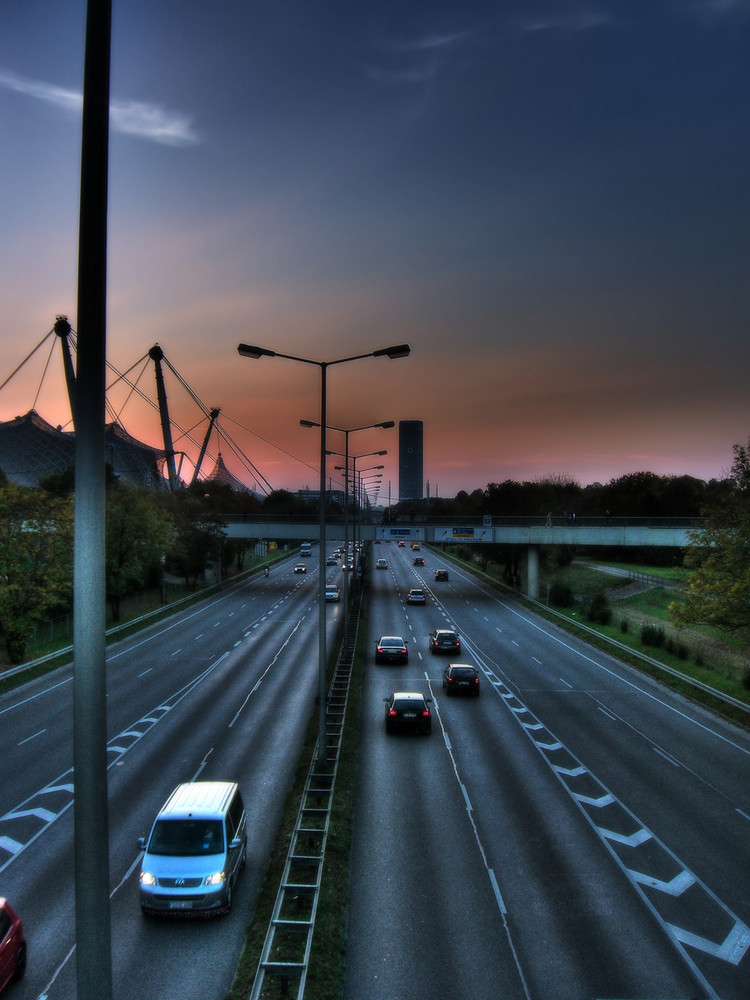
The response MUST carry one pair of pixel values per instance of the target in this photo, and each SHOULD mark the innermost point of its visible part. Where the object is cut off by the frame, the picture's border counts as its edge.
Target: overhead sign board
(400, 532)
(459, 533)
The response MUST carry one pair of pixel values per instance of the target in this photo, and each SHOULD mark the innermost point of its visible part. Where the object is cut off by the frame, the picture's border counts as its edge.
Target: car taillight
(476, 680)
(393, 711)
(426, 712)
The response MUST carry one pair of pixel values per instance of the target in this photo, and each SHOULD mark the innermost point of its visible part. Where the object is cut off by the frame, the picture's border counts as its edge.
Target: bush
(652, 635)
(624, 626)
(599, 610)
(561, 595)
(746, 679)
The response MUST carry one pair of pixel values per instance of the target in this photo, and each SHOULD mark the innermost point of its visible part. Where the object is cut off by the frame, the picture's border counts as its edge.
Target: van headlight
(216, 879)
(147, 878)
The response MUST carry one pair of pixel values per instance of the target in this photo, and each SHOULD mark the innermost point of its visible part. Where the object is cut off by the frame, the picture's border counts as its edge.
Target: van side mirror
(142, 843)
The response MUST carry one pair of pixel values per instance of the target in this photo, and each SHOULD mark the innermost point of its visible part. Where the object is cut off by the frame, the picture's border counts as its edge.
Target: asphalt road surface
(222, 690)
(578, 831)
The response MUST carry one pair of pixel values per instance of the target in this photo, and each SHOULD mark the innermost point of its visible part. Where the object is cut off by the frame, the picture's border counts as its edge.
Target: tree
(718, 559)
(36, 562)
(197, 539)
(138, 533)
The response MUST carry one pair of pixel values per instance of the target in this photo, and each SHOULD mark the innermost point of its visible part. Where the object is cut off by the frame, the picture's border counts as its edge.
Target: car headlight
(216, 879)
(147, 878)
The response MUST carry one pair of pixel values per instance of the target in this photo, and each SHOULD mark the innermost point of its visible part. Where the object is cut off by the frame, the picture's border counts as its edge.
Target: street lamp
(346, 431)
(250, 351)
(345, 469)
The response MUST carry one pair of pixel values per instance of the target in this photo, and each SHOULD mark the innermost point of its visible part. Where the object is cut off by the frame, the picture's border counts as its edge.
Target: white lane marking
(30, 738)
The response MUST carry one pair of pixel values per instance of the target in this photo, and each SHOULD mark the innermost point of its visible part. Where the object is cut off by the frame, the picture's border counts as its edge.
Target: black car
(461, 678)
(391, 649)
(407, 711)
(444, 640)
(419, 561)
(441, 574)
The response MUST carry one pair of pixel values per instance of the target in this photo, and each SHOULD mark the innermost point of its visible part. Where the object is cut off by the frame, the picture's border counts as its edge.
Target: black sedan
(444, 640)
(407, 711)
(461, 678)
(391, 649)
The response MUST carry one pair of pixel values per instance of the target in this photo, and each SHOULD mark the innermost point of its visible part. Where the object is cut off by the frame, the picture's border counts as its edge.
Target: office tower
(410, 460)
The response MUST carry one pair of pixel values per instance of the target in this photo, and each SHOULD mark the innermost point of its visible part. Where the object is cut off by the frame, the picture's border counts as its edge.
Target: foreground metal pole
(322, 652)
(91, 851)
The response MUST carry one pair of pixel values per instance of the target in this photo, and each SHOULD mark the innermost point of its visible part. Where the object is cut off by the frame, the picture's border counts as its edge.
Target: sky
(548, 201)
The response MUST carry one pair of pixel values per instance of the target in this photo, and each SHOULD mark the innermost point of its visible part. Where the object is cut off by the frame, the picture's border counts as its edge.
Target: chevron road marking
(732, 949)
(675, 887)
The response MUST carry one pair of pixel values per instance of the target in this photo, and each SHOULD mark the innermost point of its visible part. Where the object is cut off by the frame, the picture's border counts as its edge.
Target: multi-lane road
(577, 831)
(223, 690)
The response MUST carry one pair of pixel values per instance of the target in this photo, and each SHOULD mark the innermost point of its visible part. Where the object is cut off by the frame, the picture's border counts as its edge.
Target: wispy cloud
(418, 60)
(582, 19)
(138, 118)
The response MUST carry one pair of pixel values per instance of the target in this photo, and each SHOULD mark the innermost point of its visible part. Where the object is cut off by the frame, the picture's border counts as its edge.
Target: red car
(12, 945)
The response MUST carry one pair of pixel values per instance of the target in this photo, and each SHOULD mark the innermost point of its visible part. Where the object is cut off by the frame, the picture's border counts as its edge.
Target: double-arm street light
(249, 351)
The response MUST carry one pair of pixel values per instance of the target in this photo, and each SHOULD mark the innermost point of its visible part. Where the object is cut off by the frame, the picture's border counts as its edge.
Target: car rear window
(464, 673)
(408, 705)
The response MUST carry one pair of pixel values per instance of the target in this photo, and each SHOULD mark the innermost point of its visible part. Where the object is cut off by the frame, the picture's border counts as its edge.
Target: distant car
(415, 546)
(332, 561)
(12, 945)
(407, 711)
(333, 593)
(444, 640)
(416, 596)
(461, 678)
(381, 564)
(347, 566)
(419, 561)
(441, 574)
(402, 545)
(391, 649)
(300, 568)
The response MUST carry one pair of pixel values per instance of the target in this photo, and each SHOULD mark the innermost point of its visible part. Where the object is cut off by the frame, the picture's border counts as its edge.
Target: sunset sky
(549, 201)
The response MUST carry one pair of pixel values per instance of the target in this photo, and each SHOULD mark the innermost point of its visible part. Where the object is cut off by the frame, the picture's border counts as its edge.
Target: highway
(221, 690)
(577, 831)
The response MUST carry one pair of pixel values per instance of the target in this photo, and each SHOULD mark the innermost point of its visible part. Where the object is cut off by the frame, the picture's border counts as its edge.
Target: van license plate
(180, 905)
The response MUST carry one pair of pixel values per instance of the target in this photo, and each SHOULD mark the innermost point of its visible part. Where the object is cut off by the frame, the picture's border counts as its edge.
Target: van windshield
(187, 837)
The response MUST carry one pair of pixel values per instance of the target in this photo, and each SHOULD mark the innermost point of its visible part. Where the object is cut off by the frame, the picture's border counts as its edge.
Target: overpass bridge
(529, 532)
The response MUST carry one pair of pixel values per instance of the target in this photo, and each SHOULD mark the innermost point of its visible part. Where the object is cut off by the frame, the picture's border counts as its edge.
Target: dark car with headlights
(461, 678)
(391, 649)
(407, 711)
(444, 640)
(12, 945)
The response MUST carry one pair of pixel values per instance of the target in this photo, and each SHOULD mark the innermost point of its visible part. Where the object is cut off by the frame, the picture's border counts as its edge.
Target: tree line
(151, 532)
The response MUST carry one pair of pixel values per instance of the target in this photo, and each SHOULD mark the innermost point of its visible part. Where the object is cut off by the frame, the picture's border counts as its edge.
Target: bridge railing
(495, 520)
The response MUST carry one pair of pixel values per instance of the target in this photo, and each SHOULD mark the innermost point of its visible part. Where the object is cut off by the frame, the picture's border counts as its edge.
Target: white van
(196, 849)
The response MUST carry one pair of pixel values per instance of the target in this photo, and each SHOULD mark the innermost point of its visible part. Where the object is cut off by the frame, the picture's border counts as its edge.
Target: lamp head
(248, 351)
(399, 351)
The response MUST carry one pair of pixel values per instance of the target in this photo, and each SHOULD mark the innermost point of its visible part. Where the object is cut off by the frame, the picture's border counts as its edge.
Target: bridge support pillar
(531, 573)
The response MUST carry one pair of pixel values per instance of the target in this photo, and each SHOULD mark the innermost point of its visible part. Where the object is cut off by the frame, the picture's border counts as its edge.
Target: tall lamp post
(250, 351)
(346, 431)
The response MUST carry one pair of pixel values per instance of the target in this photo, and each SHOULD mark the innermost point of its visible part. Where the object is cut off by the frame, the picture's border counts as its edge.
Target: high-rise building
(410, 460)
